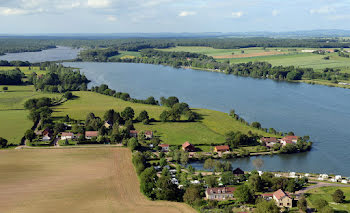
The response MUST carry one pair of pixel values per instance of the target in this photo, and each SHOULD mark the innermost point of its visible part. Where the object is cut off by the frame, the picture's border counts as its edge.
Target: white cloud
(322, 10)
(238, 14)
(111, 18)
(5, 11)
(275, 12)
(99, 3)
(187, 13)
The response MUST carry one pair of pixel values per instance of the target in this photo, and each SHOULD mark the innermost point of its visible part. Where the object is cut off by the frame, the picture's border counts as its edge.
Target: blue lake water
(55, 54)
(319, 111)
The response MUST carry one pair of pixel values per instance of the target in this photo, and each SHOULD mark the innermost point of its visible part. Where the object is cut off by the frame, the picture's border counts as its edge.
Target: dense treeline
(14, 63)
(100, 55)
(105, 90)
(16, 45)
(252, 69)
(59, 79)
(136, 44)
(181, 55)
(11, 77)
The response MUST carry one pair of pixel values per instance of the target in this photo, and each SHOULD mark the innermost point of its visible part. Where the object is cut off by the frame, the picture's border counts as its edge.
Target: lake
(55, 54)
(319, 111)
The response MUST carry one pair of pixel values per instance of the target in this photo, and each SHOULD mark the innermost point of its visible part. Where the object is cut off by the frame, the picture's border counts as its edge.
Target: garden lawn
(211, 129)
(326, 193)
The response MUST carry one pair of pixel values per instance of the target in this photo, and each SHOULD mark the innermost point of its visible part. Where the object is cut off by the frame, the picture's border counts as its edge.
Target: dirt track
(74, 180)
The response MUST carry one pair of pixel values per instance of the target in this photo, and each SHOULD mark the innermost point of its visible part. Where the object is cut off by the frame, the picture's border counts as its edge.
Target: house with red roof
(222, 148)
(67, 135)
(188, 147)
(133, 133)
(219, 193)
(269, 141)
(282, 199)
(290, 139)
(165, 147)
(148, 134)
(90, 134)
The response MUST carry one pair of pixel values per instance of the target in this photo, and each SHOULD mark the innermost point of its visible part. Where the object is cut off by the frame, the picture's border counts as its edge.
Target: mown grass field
(13, 117)
(126, 54)
(326, 193)
(26, 70)
(74, 180)
(211, 129)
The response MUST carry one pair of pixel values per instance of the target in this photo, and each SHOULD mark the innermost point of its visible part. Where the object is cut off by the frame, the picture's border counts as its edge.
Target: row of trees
(16, 45)
(105, 90)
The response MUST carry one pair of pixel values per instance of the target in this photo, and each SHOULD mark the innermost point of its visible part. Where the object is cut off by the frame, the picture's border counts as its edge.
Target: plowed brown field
(74, 180)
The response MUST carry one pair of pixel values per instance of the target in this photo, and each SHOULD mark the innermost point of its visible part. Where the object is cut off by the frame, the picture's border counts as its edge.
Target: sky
(154, 16)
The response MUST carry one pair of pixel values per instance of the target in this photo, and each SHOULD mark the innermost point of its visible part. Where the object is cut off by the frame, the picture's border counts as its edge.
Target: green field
(293, 58)
(209, 130)
(126, 54)
(326, 193)
(220, 52)
(26, 70)
(303, 60)
(14, 122)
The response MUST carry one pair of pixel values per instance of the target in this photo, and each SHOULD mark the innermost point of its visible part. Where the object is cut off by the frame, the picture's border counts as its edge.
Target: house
(133, 133)
(338, 177)
(148, 134)
(238, 171)
(282, 199)
(108, 124)
(67, 136)
(47, 134)
(269, 141)
(195, 182)
(290, 139)
(219, 193)
(188, 147)
(292, 175)
(267, 196)
(222, 148)
(165, 147)
(344, 181)
(47, 137)
(308, 51)
(260, 173)
(90, 134)
(175, 181)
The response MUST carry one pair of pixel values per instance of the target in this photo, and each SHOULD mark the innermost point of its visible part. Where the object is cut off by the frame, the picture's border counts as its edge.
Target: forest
(13, 44)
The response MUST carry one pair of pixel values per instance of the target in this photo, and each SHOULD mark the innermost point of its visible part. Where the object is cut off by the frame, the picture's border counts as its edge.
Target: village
(185, 176)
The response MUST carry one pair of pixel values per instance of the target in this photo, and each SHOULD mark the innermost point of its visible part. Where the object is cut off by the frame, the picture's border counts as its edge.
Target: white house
(260, 173)
(165, 147)
(195, 182)
(338, 177)
(277, 175)
(344, 181)
(333, 180)
(46, 137)
(67, 136)
(174, 181)
(292, 175)
(325, 176)
(307, 175)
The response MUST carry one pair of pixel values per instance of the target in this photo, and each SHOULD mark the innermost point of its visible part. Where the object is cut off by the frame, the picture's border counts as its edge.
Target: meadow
(13, 117)
(211, 129)
(293, 56)
(26, 70)
(326, 193)
(74, 180)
